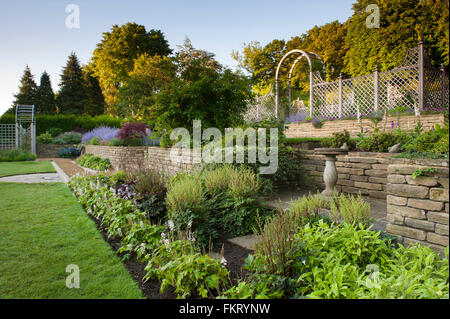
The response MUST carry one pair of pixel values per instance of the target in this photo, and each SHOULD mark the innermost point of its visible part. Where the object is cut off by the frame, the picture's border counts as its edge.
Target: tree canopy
(353, 49)
(114, 57)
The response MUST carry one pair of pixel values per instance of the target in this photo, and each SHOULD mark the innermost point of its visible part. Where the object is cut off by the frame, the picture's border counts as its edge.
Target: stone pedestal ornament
(330, 174)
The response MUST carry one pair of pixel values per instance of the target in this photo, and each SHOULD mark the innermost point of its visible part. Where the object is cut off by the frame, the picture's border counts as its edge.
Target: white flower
(171, 224)
(163, 235)
(141, 224)
(223, 262)
(189, 224)
(142, 246)
(119, 231)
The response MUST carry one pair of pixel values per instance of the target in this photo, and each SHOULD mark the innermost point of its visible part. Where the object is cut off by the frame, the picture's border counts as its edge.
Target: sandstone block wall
(358, 172)
(418, 209)
(407, 123)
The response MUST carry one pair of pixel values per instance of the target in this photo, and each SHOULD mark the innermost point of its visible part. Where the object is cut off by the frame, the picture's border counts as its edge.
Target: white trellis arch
(25, 114)
(303, 54)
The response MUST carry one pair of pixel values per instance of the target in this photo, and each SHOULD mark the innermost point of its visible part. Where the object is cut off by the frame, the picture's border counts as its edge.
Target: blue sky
(34, 32)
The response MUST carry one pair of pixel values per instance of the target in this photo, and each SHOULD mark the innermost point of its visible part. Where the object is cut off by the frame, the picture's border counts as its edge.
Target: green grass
(42, 230)
(26, 167)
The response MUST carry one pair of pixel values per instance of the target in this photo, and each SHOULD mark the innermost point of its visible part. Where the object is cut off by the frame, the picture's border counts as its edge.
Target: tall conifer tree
(45, 101)
(72, 94)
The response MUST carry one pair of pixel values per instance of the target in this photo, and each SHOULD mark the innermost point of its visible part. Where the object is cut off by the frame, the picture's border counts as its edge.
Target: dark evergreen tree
(45, 101)
(95, 101)
(27, 90)
(72, 94)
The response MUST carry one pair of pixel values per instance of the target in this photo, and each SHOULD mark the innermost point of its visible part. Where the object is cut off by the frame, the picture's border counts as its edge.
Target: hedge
(66, 122)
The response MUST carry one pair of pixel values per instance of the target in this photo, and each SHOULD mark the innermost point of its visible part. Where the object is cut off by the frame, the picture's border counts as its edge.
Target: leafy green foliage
(178, 264)
(338, 139)
(350, 209)
(435, 141)
(16, 155)
(68, 138)
(115, 55)
(94, 162)
(422, 172)
(381, 141)
(44, 138)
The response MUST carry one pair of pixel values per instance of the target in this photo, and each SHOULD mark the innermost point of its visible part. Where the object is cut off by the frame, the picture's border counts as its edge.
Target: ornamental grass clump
(350, 209)
(243, 183)
(216, 181)
(186, 204)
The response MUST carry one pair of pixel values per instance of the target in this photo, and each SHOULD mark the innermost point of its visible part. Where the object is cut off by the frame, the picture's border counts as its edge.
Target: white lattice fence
(399, 88)
(7, 136)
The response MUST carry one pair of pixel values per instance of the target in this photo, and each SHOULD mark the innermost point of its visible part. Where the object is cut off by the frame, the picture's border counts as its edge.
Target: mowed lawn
(25, 167)
(43, 229)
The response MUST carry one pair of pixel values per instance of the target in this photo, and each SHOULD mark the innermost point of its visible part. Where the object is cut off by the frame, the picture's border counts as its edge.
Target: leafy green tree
(27, 90)
(114, 56)
(45, 101)
(218, 99)
(149, 76)
(72, 94)
(95, 101)
(402, 23)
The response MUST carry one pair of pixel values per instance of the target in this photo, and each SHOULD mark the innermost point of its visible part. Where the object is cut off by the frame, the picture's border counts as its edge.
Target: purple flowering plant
(103, 133)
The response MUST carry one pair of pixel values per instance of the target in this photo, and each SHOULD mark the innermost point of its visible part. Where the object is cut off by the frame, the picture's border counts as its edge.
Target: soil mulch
(66, 165)
(234, 255)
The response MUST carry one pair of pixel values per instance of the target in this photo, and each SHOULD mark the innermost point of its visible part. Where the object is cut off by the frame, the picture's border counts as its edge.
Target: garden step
(247, 242)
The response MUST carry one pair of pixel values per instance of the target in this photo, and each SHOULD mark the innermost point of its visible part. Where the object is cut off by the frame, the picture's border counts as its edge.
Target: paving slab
(32, 178)
(247, 242)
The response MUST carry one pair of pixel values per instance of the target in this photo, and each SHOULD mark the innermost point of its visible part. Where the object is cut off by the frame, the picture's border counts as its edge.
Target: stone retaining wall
(407, 123)
(139, 157)
(418, 209)
(358, 172)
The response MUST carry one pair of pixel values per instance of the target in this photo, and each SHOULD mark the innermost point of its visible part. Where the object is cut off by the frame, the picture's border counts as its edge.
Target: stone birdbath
(330, 174)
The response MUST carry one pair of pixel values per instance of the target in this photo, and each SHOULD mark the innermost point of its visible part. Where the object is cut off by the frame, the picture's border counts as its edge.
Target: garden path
(32, 178)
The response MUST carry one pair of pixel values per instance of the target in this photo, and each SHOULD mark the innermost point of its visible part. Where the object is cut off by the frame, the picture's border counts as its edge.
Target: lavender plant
(103, 133)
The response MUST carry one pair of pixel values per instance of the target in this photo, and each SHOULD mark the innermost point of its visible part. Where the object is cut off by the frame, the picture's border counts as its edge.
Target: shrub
(433, 141)
(69, 152)
(16, 155)
(44, 138)
(68, 138)
(381, 141)
(132, 131)
(338, 139)
(94, 162)
(101, 133)
(216, 180)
